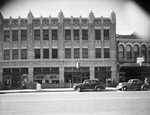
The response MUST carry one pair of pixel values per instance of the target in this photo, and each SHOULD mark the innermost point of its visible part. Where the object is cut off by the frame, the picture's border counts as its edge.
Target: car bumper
(119, 87)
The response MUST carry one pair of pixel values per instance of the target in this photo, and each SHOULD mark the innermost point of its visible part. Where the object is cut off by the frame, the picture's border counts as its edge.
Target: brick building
(131, 47)
(55, 51)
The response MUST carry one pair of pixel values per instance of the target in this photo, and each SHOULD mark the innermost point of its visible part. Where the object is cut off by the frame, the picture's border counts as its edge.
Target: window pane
(98, 52)
(36, 34)
(76, 34)
(143, 50)
(15, 35)
(7, 54)
(15, 54)
(54, 34)
(6, 35)
(128, 52)
(121, 52)
(106, 34)
(76, 53)
(106, 53)
(45, 53)
(97, 34)
(54, 53)
(23, 35)
(37, 53)
(136, 51)
(67, 34)
(68, 53)
(46, 34)
(23, 53)
(84, 34)
(84, 52)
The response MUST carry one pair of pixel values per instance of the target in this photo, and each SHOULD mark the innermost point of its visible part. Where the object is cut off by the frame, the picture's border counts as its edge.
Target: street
(76, 103)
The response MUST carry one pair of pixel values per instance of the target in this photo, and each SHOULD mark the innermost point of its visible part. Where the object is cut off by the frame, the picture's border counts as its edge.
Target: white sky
(130, 17)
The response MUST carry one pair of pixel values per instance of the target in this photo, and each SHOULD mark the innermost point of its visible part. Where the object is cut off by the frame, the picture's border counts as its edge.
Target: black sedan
(89, 85)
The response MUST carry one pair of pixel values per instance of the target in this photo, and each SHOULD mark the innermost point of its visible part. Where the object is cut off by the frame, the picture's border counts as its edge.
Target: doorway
(15, 81)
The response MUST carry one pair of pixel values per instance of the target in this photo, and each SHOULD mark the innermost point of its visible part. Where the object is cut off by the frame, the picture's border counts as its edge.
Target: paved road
(75, 103)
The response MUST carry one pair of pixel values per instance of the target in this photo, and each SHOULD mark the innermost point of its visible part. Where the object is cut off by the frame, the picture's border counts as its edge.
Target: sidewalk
(47, 90)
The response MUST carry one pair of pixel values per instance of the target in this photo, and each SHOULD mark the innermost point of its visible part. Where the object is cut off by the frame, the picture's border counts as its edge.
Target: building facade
(130, 49)
(57, 51)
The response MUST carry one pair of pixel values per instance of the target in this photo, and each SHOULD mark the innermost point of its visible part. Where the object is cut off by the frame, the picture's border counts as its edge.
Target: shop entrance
(77, 77)
(15, 81)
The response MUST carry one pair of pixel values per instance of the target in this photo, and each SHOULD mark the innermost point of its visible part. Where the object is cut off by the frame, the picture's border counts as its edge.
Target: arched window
(149, 52)
(136, 51)
(121, 52)
(128, 52)
(143, 51)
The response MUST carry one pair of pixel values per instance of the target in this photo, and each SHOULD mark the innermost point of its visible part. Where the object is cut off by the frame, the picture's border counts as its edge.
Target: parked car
(132, 84)
(89, 85)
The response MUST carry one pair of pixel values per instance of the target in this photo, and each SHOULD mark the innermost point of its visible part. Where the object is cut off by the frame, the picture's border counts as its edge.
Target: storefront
(133, 71)
(14, 77)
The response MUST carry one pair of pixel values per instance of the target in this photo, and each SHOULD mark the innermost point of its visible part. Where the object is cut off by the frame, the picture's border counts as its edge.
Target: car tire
(78, 89)
(144, 88)
(124, 88)
(98, 88)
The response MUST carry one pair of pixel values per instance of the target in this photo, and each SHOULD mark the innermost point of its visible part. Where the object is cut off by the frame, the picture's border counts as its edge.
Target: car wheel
(98, 88)
(124, 88)
(78, 89)
(144, 88)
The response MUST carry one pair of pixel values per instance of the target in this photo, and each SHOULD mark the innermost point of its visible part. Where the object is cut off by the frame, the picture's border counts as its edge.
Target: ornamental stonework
(54, 22)
(23, 23)
(67, 22)
(76, 22)
(106, 22)
(36, 22)
(85, 22)
(15, 23)
(45, 22)
(6, 23)
(97, 22)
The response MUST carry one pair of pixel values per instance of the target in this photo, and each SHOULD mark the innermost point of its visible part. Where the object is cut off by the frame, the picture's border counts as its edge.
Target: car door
(135, 84)
(87, 84)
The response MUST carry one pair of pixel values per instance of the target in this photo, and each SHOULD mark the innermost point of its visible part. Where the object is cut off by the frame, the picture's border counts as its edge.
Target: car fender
(99, 86)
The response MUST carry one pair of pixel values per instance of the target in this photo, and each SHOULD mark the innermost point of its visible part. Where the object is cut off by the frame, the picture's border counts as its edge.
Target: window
(128, 52)
(106, 53)
(67, 53)
(84, 52)
(36, 34)
(6, 35)
(136, 51)
(37, 54)
(54, 53)
(45, 53)
(106, 34)
(97, 34)
(84, 34)
(45, 34)
(54, 34)
(143, 51)
(149, 52)
(7, 54)
(76, 34)
(67, 34)
(23, 53)
(15, 54)
(121, 52)
(23, 35)
(14, 35)
(76, 53)
(98, 52)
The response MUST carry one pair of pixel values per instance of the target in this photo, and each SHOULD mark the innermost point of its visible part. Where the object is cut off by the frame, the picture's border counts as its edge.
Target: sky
(130, 18)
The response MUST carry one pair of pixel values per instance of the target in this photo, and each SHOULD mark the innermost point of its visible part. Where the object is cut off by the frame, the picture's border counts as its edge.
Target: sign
(77, 65)
(139, 59)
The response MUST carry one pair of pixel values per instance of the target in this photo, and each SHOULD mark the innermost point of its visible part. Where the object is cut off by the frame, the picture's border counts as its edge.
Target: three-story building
(57, 51)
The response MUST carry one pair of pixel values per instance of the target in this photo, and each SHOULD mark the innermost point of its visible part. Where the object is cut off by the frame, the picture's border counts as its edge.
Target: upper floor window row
(130, 52)
(54, 34)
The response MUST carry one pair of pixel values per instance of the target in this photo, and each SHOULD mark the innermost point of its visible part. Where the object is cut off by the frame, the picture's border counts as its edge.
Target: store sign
(139, 59)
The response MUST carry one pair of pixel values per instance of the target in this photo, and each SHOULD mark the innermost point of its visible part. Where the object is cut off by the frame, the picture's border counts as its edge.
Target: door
(77, 77)
(15, 81)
